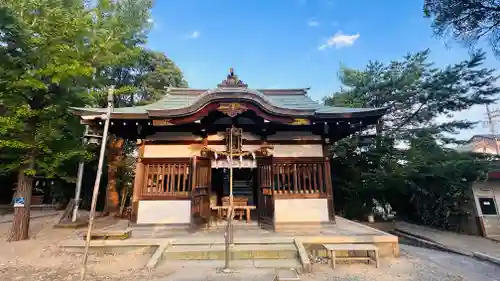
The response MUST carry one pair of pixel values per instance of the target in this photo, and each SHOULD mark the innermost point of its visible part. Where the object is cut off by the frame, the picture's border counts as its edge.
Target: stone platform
(294, 246)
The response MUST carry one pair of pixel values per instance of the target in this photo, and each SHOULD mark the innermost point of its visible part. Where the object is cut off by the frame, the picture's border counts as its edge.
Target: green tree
(121, 29)
(466, 20)
(142, 79)
(416, 93)
(41, 55)
(156, 72)
(51, 53)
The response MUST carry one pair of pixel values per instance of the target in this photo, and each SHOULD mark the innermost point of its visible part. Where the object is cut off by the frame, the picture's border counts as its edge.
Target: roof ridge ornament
(232, 80)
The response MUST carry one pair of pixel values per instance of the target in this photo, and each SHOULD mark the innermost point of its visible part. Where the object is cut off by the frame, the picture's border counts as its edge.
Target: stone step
(234, 264)
(238, 252)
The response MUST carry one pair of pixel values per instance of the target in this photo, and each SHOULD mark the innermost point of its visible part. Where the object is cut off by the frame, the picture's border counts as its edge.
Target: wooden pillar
(328, 179)
(138, 180)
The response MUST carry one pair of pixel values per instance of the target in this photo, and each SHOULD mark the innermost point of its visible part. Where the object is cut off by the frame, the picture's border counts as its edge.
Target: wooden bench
(333, 248)
(221, 210)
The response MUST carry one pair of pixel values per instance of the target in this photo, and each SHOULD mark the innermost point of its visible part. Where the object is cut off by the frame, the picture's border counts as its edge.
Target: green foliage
(416, 92)
(56, 54)
(438, 182)
(409, 166)
(466, 20)
(41, 55)
(156, 72)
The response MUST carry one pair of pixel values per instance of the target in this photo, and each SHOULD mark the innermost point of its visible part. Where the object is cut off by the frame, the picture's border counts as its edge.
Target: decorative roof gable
(185, 101)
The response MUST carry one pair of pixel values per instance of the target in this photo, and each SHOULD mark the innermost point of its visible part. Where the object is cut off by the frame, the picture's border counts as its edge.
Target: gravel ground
(415, 264)
(39, 259)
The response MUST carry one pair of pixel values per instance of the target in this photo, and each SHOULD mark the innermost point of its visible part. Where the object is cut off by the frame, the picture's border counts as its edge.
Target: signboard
(162, 122)
(18, 202)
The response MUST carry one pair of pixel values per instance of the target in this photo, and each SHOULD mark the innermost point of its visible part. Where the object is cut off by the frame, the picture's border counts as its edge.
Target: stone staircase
(282, 255)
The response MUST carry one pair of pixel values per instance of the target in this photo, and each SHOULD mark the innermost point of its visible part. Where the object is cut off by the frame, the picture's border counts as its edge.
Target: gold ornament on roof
(232, 80)
(232, 109)
(300, 121)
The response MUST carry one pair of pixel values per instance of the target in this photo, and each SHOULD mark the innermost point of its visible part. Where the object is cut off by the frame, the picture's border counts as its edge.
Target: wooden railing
(306, 178)
(165, 179)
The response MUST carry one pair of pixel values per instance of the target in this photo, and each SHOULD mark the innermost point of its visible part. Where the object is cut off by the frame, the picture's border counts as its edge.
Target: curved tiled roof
(274, 100)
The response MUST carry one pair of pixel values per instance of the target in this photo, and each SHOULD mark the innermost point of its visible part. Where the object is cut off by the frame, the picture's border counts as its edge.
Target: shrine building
(280, 155)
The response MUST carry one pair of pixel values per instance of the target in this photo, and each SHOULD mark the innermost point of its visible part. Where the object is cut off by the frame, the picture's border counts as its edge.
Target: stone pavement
(342, 227)
(458, 242)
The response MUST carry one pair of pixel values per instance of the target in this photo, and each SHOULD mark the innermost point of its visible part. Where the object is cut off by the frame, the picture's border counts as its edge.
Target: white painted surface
(164, 212)
(176, 150)
(291, 150)
(182, 150)
(301, 210)
(170, 151)
(187, 136)
(302, 150)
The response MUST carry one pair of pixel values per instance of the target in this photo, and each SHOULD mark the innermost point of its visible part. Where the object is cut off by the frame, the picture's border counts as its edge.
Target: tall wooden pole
(231, 196)
(97, 182)
(79, 180)
(229, 235)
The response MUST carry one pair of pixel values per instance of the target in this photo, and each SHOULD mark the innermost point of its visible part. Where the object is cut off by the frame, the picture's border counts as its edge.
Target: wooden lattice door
(265, 192)
(201, 181)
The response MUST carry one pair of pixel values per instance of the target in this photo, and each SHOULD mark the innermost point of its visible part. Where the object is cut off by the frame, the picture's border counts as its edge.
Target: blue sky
(294, 43)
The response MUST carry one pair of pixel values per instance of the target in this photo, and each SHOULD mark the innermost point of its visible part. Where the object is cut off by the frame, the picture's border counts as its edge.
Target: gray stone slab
(153, 261)
(286, 275)
(281, 263)
(488, 258)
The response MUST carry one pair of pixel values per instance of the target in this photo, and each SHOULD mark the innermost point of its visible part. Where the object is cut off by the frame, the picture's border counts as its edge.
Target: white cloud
(195, 34)
(313, 23)
(339, 40)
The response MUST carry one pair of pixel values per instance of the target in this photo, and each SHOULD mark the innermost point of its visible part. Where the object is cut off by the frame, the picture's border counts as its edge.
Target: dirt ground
(40, 259)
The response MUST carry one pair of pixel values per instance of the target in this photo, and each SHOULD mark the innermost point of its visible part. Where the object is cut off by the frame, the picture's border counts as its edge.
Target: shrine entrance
(245, 193)
(277, 147)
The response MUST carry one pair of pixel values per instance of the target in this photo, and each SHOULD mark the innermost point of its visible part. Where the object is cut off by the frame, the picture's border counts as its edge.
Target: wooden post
(97, 182)
(138, 184)
(328, 179)
(138, 180)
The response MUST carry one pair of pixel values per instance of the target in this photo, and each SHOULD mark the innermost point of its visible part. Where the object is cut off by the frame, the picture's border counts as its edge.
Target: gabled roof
(486, 136)
(185, 101)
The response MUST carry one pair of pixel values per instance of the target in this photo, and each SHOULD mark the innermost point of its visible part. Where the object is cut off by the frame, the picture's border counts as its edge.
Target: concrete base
(257, 247)
(238, 252)
(485, 257)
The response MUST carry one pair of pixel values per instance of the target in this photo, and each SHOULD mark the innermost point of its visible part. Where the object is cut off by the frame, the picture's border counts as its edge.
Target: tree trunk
(21, 219)
(378, 133)
(115, 157)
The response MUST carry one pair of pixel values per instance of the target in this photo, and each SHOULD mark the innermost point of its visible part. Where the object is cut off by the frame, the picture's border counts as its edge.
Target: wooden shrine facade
(276, 140)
